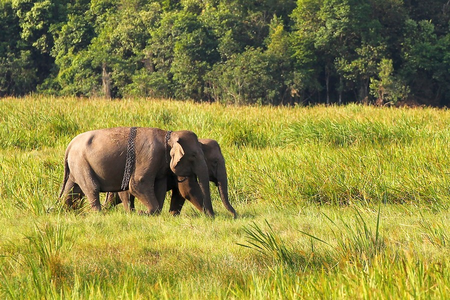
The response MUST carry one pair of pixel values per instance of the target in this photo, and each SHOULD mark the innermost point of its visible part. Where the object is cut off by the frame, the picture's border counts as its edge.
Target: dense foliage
(232, 51)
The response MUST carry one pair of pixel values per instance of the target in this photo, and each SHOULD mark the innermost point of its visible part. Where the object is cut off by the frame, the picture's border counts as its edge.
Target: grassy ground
(333, 203)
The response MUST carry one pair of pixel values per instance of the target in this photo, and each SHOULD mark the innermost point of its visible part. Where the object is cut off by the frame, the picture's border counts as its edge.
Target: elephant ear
(177, 152)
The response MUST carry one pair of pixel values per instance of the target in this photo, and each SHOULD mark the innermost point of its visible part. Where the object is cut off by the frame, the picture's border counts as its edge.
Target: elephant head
(187, 188)
(217, 170)
(187, 159)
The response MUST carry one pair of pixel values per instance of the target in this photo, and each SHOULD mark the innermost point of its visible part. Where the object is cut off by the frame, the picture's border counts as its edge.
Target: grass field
(334, 203)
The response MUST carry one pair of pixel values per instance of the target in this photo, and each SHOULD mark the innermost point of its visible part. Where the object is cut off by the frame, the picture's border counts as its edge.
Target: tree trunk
(363, 92)
(148, 64)
(327, 83)
(106, 82)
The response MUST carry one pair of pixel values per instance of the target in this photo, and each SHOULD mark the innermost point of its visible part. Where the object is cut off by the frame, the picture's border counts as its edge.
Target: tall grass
(267, 243)
(307, 182)
(363, 263)
(42, 261)
(353, 242)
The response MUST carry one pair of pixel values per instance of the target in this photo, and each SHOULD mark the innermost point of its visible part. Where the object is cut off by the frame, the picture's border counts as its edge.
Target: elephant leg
(70, 197)
(144, 189)
(87, 182)
(77, 197)
(94, 199)
(73, 193)
(160, 191)
(132, 208)
(112, 199)
(125, 197)
(90, 187)
(176, 202)
(190, 190)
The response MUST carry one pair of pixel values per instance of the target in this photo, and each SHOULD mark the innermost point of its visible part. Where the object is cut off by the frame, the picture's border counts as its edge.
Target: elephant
(96, 161)
(187, 187)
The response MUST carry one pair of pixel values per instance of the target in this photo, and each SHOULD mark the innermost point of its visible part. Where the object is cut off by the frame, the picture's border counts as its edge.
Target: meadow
(338, 202)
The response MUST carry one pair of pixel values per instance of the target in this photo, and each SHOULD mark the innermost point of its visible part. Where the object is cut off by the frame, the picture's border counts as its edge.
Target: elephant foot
(149, 213)
(174, 213)
(96, 208)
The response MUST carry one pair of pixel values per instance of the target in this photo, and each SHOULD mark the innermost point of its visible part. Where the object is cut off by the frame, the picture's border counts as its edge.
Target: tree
(243, 79)
(307, 60)
(388, 89)
(279, 53)
(103, 48)
(75, 75)
(18, 74)
(194, 53)
(421, 61)
(38, 20)
(341, 42)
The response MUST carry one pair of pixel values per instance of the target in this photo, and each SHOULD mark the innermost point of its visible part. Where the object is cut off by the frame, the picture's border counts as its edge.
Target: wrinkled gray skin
(95, 162)
(187, 187)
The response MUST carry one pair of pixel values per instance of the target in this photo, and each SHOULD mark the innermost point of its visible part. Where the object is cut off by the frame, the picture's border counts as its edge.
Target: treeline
(232, 51)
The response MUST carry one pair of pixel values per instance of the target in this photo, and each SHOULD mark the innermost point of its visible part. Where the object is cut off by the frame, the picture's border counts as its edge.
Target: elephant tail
(66, 175)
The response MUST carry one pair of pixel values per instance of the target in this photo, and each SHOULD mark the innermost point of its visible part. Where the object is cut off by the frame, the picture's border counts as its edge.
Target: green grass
(333, 203)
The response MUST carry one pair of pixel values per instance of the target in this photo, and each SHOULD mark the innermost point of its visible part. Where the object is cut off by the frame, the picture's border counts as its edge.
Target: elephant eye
(193, 156)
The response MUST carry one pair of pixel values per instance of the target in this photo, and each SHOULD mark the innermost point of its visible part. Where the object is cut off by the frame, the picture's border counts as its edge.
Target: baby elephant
(187, 187)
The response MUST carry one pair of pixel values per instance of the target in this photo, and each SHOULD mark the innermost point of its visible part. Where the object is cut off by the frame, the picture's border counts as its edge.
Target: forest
(267, 52)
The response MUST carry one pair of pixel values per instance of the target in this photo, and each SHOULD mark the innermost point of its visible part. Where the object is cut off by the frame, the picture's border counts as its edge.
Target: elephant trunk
(203, 181)
(222, 183)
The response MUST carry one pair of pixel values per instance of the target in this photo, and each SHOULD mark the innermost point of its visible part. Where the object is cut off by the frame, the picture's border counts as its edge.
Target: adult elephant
(100, 160)
(188, 187)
